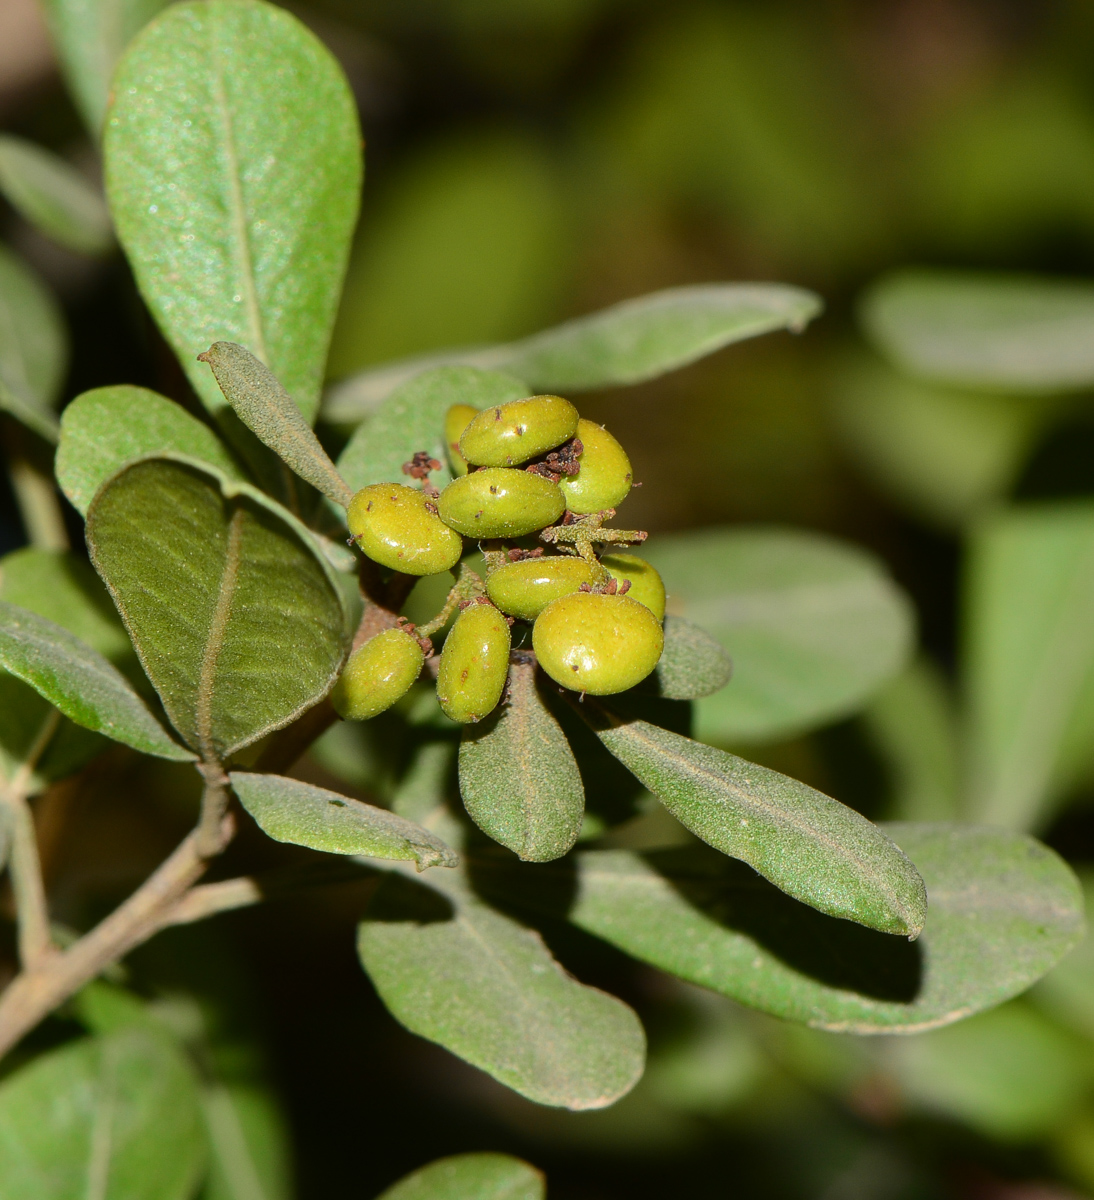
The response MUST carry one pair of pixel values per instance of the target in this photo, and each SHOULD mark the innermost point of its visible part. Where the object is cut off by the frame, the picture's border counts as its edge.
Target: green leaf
(471, 1177)
(456, 971)
(103, 429)
(291, 811)
(33, 348)
(114, 1117)
(233, 166)
(809, 845)
(248, 1144)
(692, 664)
(518, 776)
(90, 36)
(412, 419)
(80, 682)
(1029, 659)
(1004, 909)
(268, 411)
(54, 197)
(235, 615)
(813, 626)
(1008, 333)
(627, 343)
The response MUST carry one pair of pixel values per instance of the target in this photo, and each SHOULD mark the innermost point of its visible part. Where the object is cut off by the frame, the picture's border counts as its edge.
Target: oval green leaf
(471, 1177)
(692, 664)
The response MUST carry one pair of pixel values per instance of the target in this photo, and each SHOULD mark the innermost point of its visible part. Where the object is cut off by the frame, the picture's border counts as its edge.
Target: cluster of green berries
(529, 467)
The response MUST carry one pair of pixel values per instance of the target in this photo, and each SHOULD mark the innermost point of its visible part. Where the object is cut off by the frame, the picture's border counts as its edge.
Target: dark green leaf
(813, 626)
(806, 843)
(33, 348)
(471, 1177)
(103, 429)
(114, 1117)
(236, 616)
(456, 971)
(291, 811)
(249, 1153)
(518, 776)
(233, 165)
(692, 664)
(54, 196)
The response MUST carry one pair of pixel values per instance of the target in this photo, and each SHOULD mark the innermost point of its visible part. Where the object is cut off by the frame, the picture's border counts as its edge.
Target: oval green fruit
(513, 433)
(524, 589)
(474, 664)
(398, 527)
(456, 420)
(594, 643)
(604, 478)
(377, 674)
(500, 502)
(646, 585)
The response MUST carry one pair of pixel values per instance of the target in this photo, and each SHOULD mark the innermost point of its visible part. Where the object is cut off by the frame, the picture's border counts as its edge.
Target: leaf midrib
(218, 628)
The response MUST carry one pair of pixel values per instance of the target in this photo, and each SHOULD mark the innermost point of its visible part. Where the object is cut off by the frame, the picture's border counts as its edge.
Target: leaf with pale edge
(692, 664)
(471, 1177)
(33, 348)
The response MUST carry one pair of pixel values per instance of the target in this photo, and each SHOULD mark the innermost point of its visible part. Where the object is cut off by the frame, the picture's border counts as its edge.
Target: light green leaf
(812, 847)
(1000, 332)
(80, 682)
(471, 1177)
(291, 811)
(33, 348)
(268, 411)
(813, 626)
(412, 419)
(456, 971)
(233, 166)
(90, 36)
(1004, 909)
(114, 1117)
(103, 429)
(1029, 659)
(518, 776)
(692, 664)
(54, 197)
(627, 343)
(235, 614)
(249, 1155)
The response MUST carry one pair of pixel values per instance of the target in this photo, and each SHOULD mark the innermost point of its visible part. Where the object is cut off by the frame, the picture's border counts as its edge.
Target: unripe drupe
(474, 664)
(398, 527)
(500, 502)
(524, 589)
(377, 674)
(646, 586)
(604, 478)
(513, 433)
(456, 420)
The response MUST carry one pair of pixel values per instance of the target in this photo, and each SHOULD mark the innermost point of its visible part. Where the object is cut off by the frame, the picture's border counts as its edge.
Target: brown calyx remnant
(419, 467)
(518, 555)
(612, 587)
(562, 461)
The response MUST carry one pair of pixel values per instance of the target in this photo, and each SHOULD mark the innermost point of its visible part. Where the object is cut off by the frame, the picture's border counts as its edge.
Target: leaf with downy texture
(115, 1117)
(458, 972)
(412, 419)
(471, 1177)
(813, 626)
(291, 811)
(103, 429)
(233, 166)
(692, 664)
(812, 847)
(628, 343)
(518, 776)
(54, 197)
(236, 616)
(268, 411)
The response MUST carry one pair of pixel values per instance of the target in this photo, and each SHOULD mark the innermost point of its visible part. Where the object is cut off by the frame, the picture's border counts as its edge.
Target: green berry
(605, 475)
(524, 589)
(515, 432)
(398, 527)
(595, 643)
(646, 586)
(474, 664)
(456, 420)
(377, 674)
(500, 502)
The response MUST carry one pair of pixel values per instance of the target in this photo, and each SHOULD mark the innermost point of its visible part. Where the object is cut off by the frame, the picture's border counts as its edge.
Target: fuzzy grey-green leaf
(33, 347)
(470, 1177)
(692, 664)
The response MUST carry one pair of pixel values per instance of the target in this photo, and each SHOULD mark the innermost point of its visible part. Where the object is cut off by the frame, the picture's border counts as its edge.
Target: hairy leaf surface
(692, 664)
(471, 1177)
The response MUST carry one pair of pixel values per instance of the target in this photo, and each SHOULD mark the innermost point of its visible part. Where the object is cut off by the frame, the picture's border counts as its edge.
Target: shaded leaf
(115, 1117)
(233, 165)
(291, 811)
(518, 776)
(249, 1155)
(471, 1177)
(236, 616)
(454, 970)
(105, 428)
(806, 843)
(692, 664)
(54, 197)
(813, 625)
(627, 343)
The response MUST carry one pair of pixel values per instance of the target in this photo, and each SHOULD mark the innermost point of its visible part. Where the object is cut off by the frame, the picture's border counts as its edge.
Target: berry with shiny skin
(604, 477)
(378, 673)
(524, 589)
(456, 420)
(646, 585)
(513, 433)
(500, 502)
(474, 664)
(398, 527)
(595, 643)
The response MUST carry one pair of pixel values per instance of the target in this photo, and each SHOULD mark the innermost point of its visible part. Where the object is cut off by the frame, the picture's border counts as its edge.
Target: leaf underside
(470, 1177)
